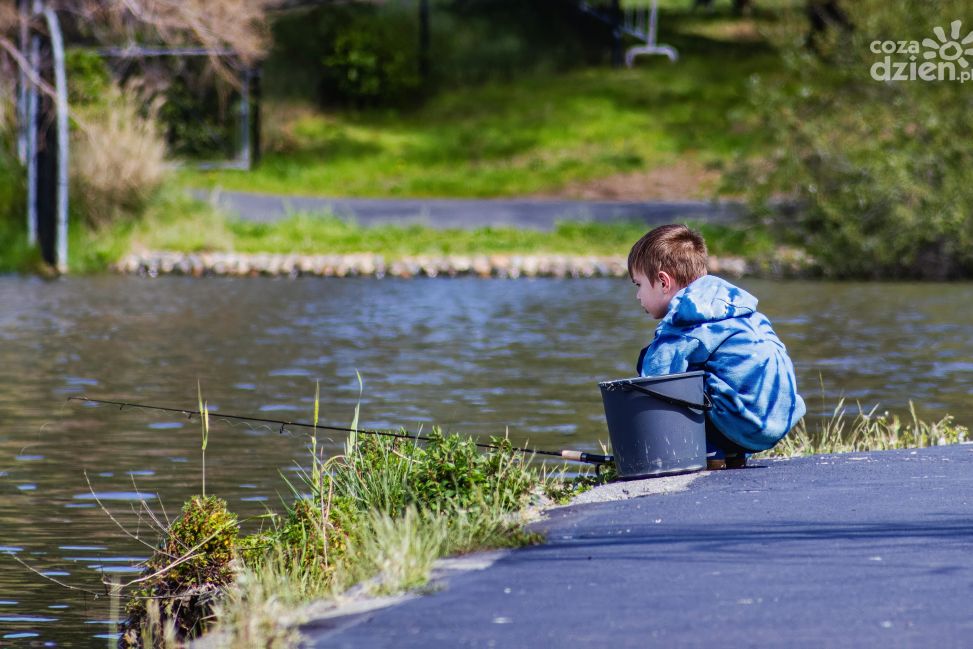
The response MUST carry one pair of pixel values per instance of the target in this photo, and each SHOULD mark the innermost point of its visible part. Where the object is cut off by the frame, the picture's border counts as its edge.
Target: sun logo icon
(949, 49)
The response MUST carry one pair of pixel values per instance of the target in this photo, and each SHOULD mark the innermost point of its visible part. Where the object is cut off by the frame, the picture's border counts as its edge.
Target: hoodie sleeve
(670, 353)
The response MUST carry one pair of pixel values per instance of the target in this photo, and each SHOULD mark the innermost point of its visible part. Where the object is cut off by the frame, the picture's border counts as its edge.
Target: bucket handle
(706, 405)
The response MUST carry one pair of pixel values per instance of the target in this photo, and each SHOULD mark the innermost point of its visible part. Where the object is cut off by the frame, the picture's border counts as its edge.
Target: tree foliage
(236, 26)
(879, 171)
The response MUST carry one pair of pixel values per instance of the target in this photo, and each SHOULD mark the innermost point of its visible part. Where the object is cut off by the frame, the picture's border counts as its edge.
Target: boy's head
(665, 260)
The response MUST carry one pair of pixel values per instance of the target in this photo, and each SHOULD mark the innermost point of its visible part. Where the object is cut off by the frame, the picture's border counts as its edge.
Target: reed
(204, 423)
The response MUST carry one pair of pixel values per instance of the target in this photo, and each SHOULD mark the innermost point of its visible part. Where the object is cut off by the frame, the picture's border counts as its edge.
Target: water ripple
(116, 495)
(27, 618)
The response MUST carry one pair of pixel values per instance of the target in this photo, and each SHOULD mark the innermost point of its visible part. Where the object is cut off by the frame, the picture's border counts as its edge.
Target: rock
(459, 265)
(530, 266)
(499, 266)
(400, 269)
(481, 266)
(785, 262)
(734, 266)
(427, 267)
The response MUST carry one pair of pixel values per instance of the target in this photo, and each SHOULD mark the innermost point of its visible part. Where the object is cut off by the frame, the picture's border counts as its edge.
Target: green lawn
(316, 234)
(175, 222)
(527, 136)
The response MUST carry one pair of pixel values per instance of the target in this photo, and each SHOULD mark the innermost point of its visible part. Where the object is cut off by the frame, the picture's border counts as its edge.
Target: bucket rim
(652, 379)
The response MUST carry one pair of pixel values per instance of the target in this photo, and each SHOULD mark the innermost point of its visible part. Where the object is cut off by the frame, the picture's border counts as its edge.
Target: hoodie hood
(708, 299)
(714, 326)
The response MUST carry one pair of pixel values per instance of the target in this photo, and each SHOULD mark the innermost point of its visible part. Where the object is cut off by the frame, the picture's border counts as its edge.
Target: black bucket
(657, 424)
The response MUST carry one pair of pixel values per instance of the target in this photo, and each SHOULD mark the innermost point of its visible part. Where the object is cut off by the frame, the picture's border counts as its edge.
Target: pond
(470, 355)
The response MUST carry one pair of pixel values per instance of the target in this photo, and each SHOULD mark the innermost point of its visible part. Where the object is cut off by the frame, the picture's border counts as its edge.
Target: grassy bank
(377, 516)
(536, 134)
(374, 520)
(309, 234)
(15, 253)
(177, 223)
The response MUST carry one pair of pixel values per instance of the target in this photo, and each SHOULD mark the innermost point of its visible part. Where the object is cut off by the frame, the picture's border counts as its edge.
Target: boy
(709, 324)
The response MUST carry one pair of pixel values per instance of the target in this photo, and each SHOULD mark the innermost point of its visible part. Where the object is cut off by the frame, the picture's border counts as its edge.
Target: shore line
(510, 266)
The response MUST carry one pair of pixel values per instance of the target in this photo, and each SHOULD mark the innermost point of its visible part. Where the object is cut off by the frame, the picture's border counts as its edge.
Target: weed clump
(561, 490)
(188, 572)
(311, 536)
(447, 472)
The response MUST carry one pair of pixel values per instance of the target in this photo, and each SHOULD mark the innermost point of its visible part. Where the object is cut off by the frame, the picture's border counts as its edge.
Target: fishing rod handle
(591, 458)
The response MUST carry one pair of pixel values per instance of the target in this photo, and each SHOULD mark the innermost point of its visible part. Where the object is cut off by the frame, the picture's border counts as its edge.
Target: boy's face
(654, 297)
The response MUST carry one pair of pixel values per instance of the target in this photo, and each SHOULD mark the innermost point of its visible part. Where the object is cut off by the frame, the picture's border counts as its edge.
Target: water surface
(471, 355)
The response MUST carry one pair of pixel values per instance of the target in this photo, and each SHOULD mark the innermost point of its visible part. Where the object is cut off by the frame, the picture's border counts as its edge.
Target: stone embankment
(230, 264)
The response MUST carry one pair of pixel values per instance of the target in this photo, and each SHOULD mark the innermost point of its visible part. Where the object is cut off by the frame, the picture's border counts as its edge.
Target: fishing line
(566, 454)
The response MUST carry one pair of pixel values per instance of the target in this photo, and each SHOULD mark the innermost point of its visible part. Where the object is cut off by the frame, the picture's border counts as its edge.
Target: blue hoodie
(714, 326)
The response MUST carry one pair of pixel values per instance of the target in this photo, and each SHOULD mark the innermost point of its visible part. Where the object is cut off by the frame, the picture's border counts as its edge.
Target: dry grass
(119, 161)
(869, 431)
(157, 632)
(262, 607)
(396, 553)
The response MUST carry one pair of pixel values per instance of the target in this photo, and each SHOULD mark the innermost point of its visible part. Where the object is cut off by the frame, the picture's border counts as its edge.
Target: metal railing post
(23, 17)
(245, 157)
(33, 101)
(63, 135)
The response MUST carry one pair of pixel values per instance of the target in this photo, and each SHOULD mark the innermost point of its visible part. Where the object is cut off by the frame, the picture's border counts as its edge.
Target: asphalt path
(853, 550)
(537, 214)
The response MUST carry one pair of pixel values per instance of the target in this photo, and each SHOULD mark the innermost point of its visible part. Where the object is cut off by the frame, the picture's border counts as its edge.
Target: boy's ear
(665, 279)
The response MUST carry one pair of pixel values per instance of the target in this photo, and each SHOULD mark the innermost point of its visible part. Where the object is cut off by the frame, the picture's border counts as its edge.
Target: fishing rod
(566, 454)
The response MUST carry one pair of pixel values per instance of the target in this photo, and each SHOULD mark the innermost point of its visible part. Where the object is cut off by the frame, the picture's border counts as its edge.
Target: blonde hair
(675, 249)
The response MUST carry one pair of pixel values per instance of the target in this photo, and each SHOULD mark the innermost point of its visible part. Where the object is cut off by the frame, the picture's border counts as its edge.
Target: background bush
(198, 111)
(881, 173)
(372, 60)
(15, 254)
(12, 189)
(118, 161)
(366, 54)
(88, 77)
